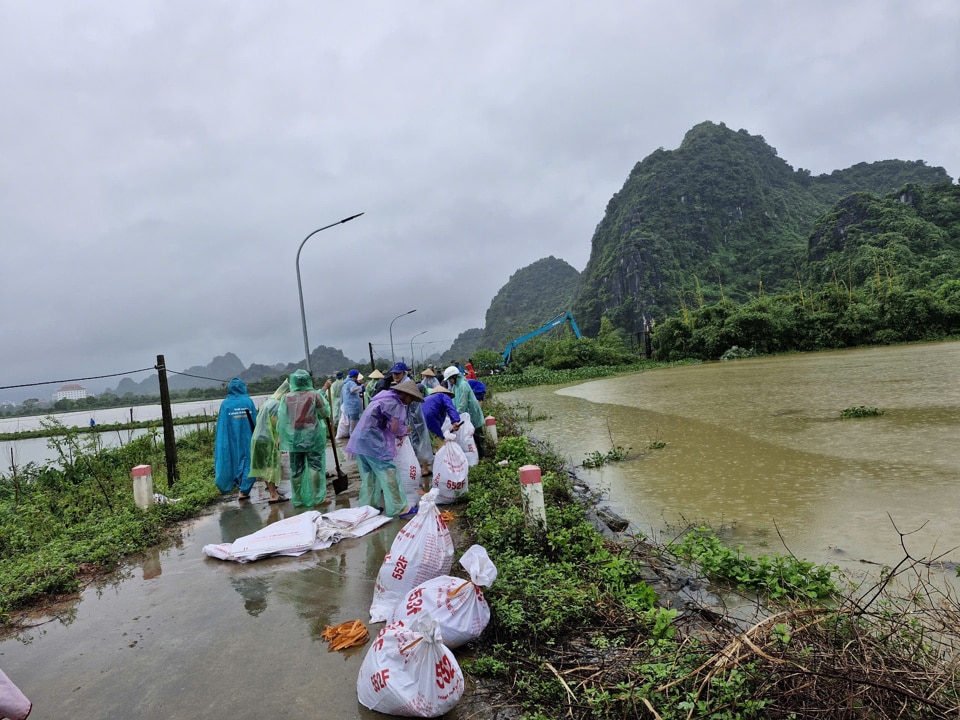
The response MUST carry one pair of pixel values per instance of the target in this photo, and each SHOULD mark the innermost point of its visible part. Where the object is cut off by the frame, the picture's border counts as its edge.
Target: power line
(199, 377)
(92, 377)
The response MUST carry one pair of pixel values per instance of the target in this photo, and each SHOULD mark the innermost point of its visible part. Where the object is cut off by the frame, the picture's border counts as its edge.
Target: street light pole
(393, 356)
(303, 316)
(413, 358)
(340, 484)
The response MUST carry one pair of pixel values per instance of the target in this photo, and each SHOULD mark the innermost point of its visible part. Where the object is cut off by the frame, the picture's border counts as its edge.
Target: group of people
(376, 413)
(293, 421)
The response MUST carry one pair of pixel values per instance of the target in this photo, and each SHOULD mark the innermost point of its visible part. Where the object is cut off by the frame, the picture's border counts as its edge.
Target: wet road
(180, 635)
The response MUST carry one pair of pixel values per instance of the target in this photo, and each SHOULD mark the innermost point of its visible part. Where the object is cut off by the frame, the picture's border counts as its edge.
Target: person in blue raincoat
(235, 423)
(351, 394)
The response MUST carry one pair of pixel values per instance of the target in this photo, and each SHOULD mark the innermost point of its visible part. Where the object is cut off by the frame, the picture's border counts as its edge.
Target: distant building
(71, 391)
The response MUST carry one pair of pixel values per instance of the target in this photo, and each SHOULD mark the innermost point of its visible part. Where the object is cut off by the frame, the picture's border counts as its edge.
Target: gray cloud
(162, 161)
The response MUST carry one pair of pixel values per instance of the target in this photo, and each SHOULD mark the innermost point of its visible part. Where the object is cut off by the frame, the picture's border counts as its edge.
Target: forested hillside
(722, 217)
(532, 295)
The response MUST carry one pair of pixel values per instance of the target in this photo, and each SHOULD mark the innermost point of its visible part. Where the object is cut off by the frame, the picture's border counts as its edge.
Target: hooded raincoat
(234, 432)
(374, 442)
(302, 427)
(265, 450)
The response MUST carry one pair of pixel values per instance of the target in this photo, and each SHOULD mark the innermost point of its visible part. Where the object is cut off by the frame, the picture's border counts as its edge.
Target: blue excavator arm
(549, 325)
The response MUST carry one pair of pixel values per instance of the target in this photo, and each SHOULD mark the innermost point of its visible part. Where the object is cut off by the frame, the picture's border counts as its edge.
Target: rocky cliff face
(720, 216)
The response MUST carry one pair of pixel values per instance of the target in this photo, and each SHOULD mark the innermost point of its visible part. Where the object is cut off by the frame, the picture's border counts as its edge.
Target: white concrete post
(142, 486)
(531, 487)
(491, 424)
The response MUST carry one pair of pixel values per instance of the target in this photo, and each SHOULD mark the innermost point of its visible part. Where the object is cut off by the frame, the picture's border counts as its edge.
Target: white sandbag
(296, 535)
(290, 536)
(450, 470)
(408, 671)
(464, 438)
(408, 470)
(456, 604)
(343, 426)
(422, 550)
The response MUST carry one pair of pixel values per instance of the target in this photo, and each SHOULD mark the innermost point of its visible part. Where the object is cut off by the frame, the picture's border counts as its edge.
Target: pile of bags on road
(410, 669)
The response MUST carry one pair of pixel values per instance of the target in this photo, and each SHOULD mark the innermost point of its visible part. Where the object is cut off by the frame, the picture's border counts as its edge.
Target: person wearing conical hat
(371, 390)
(428, 379)
(374, 443)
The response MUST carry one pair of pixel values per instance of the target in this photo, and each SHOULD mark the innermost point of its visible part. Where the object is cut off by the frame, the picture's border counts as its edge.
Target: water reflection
(757, 447)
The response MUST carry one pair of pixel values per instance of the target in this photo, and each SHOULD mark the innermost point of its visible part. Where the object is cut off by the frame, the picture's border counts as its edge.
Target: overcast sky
(162, 161)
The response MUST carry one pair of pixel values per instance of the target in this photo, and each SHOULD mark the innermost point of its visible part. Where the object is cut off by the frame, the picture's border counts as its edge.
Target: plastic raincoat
(232, 446)
(374, 442)
(265, 450)
(303, 435)
(350, 398)
(335, 389)
(419, 435)
(466, 401)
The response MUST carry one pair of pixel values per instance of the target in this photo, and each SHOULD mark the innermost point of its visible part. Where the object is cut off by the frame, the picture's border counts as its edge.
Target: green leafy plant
(597, 459)
(860, 411)
(778, 577)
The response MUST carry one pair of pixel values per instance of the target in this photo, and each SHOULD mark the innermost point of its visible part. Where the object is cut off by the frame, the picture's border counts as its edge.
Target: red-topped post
(142, 486)
(491, 426)
(531, 487)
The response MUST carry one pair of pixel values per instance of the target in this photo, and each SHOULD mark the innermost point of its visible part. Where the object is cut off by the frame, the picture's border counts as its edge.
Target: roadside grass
(61, 524)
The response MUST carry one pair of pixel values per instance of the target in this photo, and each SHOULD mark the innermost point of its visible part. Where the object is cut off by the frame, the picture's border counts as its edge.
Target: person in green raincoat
(301, 423)
(368, 392)
(265, 445)
(466, 402)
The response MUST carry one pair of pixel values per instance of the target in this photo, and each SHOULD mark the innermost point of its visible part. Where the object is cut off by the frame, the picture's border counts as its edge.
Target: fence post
(169, 438)
(531, 487)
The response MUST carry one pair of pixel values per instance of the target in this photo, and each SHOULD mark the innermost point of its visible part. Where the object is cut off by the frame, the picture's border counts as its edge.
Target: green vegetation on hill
(533, 295)
(882, 270)
(721, 218)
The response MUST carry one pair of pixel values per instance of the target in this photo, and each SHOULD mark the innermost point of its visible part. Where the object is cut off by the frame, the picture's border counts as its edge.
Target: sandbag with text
(456, 604)
(409, 671)
(465, 438)
(408, 468)
(450, 470)
(421, 551)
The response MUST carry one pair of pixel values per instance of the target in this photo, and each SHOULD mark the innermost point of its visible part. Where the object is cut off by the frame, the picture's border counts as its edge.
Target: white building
(71, 391)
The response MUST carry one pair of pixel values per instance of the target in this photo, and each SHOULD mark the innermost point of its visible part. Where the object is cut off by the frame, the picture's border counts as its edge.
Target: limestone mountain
(532, 296)
(464, 345)
(720, 216)
(908, 239)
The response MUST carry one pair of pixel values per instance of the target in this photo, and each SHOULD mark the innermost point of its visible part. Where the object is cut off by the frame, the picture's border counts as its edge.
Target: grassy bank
(533, 375)
(581, 629)
(50, 427)
(62, 525)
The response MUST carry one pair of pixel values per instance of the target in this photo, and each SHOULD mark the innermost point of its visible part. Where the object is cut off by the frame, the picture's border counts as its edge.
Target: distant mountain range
(722, 216)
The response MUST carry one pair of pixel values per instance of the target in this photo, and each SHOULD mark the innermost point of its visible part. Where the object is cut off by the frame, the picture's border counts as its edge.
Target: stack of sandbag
(421, 551)
(408, 468)
(450, 470)
(456, 604)
(464, 438)
(409, 671)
